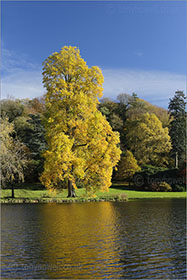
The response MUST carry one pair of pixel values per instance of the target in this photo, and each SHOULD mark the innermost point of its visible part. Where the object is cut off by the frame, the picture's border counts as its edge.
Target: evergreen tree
(177, 128)
(34, 138)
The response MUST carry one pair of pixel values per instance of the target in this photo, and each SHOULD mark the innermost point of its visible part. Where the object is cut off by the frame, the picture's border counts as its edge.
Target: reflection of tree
(140, 239)
(79, 239)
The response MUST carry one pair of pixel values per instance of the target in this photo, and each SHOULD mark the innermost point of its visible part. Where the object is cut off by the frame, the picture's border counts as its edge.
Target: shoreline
(119, 192)
(79, 200)
(60, 201)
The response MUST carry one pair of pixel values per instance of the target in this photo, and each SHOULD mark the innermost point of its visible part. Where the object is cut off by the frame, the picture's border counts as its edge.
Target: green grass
(118, 191)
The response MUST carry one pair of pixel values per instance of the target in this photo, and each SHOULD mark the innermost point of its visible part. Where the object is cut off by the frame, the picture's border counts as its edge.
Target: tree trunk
(71, 189)
(12, 191)
(176, 160)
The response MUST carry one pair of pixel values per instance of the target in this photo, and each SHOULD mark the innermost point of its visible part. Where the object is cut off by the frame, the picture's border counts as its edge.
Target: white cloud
(23, 79)
(155, 86)
(20, 77)
(22, 84)
(12, 61)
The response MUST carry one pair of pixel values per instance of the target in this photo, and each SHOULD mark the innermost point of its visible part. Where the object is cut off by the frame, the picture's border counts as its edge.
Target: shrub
(179, 188)
(147, 181)
(165, 187)
(122, 197)
(158, 187)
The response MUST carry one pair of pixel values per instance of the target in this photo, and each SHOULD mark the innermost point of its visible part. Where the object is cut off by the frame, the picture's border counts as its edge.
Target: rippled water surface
(100, 240)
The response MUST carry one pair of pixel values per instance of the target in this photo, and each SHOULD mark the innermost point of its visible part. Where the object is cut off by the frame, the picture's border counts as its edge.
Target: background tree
(126, 167)
(11, 109)
(81, 143)
(13, 156)
(115, 113)
(110, 110)
(138, 107)
(123, 105)
(148, 140)
(36, 106)
(177, 128)
(33, 136)
(161, 113)
(129, 108)
(26, 116)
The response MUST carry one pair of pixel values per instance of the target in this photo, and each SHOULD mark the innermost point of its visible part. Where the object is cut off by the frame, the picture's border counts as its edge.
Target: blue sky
(140, 46)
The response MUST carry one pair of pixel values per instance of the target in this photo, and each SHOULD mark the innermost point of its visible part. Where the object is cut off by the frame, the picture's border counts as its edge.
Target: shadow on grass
(121, 186)
(27, 186)
(39, 187)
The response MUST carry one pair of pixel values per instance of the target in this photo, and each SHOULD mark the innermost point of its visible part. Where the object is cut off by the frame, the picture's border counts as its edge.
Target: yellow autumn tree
(148, 140)
(81, 144)
(127, 167)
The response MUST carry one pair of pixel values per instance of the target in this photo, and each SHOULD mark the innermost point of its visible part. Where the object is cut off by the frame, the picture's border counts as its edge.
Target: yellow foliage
(127, 166)
(148, 140)
(81, 143)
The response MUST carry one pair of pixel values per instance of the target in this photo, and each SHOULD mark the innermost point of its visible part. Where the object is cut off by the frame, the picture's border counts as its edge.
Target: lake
(143, 239)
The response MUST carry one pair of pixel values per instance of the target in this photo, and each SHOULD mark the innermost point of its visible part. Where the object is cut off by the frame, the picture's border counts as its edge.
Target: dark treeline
(152, 140)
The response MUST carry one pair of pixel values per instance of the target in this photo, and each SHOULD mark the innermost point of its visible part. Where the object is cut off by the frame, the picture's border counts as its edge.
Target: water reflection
(85, 240)
(134, 240)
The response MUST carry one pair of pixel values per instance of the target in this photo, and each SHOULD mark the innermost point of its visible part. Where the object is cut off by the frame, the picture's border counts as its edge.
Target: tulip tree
(81, 144)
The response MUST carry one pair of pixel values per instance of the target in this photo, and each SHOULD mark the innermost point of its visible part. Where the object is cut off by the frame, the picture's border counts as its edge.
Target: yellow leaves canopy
(81, 143)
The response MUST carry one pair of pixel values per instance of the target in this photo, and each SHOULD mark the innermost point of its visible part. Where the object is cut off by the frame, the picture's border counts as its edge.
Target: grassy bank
(35, 193)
